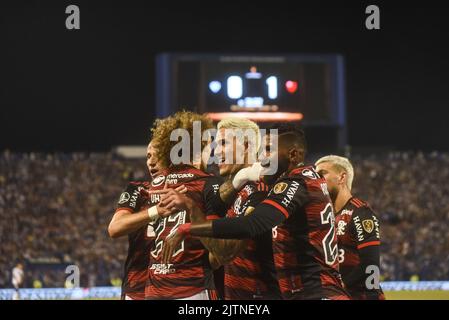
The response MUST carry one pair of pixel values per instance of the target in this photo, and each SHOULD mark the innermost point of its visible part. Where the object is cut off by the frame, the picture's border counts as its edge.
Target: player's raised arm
(263, 219)
(125, 220)
(287, 195)
(222, 250)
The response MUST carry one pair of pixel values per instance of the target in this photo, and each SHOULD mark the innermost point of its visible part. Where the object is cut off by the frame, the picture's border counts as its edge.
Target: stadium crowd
(55, 208)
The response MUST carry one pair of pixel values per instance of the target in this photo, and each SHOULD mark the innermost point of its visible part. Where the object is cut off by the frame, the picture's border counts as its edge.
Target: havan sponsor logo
(290, 193)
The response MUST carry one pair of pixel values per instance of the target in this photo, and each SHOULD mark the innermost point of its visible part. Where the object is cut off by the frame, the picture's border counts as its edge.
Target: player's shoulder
(213, 179)
(358, 203)
(209, 183)
(360, 208)
(256, 186)
(306, 173)
(253, 189)
(136, 184)
(307, 177)
(187, 172)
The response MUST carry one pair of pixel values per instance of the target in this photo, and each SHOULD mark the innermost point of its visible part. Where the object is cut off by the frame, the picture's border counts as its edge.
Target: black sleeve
(364, 228)
(212, 199)
(255, 198)
(366, 232)
(132, 198)
(287, 195)
(369, 256)
(261, 220)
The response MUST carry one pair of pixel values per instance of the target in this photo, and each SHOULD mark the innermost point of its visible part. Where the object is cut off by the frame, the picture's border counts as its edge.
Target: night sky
(94, 88)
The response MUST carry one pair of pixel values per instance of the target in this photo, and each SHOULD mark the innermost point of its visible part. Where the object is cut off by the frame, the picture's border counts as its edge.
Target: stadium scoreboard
(307, 88)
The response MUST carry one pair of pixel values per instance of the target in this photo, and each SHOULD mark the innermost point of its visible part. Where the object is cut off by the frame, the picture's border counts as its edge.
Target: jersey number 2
(178, 219)
(329, 242)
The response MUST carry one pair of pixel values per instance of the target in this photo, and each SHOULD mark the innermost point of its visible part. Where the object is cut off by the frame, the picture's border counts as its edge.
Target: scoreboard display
(264, 88)
(253, 87)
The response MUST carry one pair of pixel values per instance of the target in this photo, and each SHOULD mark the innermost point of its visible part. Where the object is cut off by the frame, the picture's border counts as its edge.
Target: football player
(189, 275)
(248, 265)
(131, 218)
(299, 209)
(357, 230)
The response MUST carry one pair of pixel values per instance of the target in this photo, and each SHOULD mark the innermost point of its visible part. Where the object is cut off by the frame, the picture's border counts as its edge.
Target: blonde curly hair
(163, 128)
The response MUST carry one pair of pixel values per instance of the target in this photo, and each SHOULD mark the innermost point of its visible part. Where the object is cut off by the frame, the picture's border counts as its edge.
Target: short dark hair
(290, 132)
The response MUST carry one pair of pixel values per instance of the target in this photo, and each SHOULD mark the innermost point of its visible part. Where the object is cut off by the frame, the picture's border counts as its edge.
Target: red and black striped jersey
(358, 228)
(305, 245)
(140, 241)
(251, 274)
(190, 271)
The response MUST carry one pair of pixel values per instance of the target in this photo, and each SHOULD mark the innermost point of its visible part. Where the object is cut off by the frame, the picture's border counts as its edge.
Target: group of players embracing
(296, 233)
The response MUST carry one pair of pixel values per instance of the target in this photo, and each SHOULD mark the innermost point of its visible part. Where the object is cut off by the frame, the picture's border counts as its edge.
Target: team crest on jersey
(125, 196)
(368, 225)
(341, 227)
(280, 187)
(158, 181)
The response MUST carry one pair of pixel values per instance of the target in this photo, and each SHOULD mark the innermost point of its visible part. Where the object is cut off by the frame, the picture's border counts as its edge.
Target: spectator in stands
(56, 207)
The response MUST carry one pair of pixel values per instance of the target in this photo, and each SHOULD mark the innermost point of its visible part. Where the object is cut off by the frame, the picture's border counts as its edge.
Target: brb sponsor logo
(161, 268)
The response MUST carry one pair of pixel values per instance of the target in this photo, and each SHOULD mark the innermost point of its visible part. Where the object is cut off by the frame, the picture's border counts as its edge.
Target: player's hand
(172, 202)
(170, 244)
(181, 189)
(163, 211)
(244, 175)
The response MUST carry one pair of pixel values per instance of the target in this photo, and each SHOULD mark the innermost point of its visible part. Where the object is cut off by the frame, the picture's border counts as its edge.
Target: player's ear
(294, 155)
(342, 178)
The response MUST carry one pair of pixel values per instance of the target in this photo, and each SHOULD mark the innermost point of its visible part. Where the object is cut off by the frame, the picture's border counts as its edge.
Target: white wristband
(153, 214)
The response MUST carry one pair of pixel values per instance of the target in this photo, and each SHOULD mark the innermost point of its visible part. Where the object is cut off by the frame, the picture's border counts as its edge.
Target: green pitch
(417, 295)
(390, 295)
